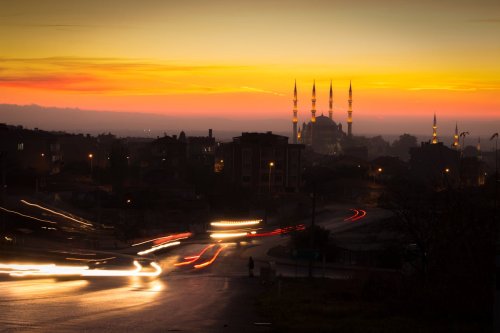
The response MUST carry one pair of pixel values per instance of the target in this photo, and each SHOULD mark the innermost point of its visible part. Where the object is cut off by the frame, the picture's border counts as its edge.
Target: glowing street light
(91, 157)
(271, 165)
(377, 175)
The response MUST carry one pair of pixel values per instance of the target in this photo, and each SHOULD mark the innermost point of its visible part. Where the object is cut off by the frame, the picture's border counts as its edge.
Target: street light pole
(3, 156)
(271, 165)
(496, 160)
(462, 135)
(91, 156)
(496, 324)
(460, 171)
(495, 136)
(312, 231)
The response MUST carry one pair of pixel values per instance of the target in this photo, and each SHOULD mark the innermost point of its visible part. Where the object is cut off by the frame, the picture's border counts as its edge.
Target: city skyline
(239, 61)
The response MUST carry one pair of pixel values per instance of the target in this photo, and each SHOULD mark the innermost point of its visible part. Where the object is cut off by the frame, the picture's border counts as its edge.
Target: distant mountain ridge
(130, 123)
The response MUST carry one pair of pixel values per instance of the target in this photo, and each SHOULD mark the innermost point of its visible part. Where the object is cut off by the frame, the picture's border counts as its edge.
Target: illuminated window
(20, 146)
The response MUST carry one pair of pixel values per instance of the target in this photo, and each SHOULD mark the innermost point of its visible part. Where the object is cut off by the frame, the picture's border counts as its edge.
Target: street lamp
(378, 175)
(91, 157)
(463, 135)
(271, 165)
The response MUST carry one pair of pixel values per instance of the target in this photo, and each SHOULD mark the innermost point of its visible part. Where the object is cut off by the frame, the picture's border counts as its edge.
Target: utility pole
(495, 136)
(3, 158)
(496, 301)
(91, 157)
(271, 165)
(312, 231)
(462, 135)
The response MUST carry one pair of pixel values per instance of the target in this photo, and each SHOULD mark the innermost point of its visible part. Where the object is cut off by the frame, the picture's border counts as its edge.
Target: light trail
(156, 248)
(358, 214)
(49, 228)
(228, 235)
(90, 260)
(192, 259)
(170, 238)
(76, 253)
(363, 214)
(279, 231)
(27, 216)
(235, 223)
(135, 272)
(26, 270)
(20, 270)
(209, 262)
(165, 238)
(56, 213)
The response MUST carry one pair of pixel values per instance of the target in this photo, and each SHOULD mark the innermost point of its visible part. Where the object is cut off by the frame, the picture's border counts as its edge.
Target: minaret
(434, 131)
(299, 136)
(313, 112)
(294, 140)
(456, 143)
(349, 112)
(330, 109)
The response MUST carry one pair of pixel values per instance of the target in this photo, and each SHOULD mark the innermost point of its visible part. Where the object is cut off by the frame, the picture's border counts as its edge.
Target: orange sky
(239, 59)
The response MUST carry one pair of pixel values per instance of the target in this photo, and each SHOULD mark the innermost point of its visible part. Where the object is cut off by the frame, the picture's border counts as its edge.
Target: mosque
(322, 133)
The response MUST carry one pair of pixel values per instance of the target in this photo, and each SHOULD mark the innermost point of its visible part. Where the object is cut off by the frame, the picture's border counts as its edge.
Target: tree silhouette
(401, 147)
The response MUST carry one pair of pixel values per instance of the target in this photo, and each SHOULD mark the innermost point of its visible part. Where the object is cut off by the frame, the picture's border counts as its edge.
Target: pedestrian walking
(250, 266)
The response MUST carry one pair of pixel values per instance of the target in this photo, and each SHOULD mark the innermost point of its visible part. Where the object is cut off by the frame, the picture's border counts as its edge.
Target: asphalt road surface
(216, 298)
(181, 299)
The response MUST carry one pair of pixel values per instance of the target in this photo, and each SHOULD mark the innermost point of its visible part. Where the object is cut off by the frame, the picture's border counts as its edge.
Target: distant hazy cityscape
(132, 124)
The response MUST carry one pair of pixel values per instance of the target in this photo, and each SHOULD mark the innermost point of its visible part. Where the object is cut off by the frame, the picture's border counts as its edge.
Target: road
(187, 300)
(336, 218)
(216, 298)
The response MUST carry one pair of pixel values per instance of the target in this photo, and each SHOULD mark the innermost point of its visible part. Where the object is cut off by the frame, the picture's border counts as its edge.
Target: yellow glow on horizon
(211, 58)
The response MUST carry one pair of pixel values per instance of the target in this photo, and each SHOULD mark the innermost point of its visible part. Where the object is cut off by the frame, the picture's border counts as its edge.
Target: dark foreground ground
(352, 306)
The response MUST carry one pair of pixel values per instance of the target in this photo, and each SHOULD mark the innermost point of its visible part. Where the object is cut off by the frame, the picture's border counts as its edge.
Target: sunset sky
(239, 59)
